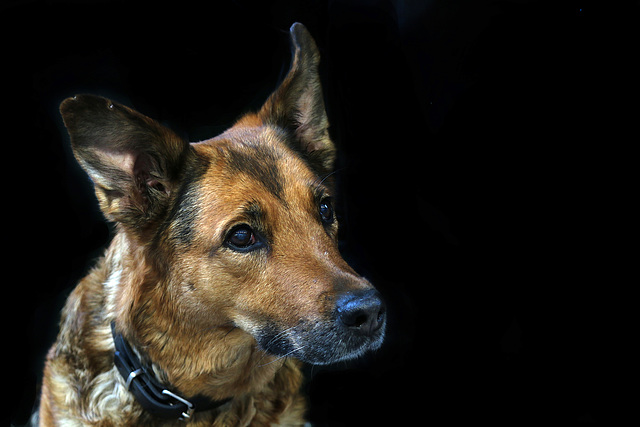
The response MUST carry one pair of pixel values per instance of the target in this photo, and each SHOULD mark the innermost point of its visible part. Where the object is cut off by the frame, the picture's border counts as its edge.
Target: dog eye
(242, 238)
(326, 211)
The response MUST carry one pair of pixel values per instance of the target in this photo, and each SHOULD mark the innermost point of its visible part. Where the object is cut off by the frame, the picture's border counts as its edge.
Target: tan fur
(82, 386)
(199, 312)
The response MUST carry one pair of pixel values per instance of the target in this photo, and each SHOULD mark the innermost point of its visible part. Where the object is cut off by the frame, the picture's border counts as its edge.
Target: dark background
(485, 178)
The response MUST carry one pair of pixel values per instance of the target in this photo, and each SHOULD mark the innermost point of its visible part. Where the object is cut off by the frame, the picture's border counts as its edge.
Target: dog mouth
(355, 325)
(322, 342)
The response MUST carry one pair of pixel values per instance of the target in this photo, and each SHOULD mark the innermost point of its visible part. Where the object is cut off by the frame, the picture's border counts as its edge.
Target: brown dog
(223, 271)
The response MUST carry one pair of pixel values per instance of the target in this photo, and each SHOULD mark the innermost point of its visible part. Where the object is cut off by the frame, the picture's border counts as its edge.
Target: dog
(223, 274)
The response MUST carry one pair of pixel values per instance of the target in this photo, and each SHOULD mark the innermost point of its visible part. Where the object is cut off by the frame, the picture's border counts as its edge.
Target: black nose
(361, 311)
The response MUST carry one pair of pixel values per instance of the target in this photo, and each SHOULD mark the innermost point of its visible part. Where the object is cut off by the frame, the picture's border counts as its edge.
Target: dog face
(239, 229)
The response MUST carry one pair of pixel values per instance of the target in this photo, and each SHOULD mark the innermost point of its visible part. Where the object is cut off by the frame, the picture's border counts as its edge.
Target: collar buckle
(131, 376)
(190, 408)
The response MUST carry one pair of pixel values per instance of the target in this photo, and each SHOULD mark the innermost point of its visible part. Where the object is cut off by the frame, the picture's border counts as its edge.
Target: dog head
(239, 229)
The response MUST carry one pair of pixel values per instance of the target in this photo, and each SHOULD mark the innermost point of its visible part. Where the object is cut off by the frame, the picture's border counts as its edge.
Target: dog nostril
(359, 320)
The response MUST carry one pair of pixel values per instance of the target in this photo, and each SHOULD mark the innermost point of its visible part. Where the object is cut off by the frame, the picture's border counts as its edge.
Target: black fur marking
(261, 163)
(270, 339)
(183, 213)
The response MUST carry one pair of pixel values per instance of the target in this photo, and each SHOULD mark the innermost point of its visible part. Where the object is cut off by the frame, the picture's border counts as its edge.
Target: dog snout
(362, 312)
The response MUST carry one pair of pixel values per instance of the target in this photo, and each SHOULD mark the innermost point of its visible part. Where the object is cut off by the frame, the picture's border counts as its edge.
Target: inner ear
(156, 185)
(144, 177)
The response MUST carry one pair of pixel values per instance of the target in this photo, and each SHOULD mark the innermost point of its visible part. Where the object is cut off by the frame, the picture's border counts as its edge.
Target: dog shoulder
(79, 371)
(82, 325)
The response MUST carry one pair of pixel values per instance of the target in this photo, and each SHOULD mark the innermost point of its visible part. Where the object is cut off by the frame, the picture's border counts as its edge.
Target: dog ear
(133, 160)
(297, 105)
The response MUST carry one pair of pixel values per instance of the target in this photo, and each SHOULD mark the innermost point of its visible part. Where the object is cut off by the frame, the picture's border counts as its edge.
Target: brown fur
(210, 319)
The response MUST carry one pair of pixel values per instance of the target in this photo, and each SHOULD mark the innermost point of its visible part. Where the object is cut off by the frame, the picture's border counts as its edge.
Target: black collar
(155, 398)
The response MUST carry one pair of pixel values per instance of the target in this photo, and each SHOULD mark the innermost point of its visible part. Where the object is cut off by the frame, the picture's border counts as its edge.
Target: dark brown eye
(326, 211)
(242, 238)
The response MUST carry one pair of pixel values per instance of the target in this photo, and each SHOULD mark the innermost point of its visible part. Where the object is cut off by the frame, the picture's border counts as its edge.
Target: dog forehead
(253, 164)
(259, 154)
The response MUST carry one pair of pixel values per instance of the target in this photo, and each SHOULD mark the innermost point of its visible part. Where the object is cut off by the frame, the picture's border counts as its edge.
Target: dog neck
(156, 398)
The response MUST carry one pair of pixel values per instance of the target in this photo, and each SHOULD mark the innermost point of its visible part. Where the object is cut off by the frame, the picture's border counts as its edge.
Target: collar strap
(153, 396)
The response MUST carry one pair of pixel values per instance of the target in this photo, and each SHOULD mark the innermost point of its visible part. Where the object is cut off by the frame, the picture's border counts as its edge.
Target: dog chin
(317, 343)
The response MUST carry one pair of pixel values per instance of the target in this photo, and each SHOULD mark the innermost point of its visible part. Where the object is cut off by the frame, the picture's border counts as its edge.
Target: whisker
(327, 176)
(279, 335)
(281, 357)
(230, 330)
(275, 338)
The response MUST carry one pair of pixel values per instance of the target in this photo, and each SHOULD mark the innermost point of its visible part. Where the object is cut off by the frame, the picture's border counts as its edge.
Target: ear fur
(297, 105)
(132, 160)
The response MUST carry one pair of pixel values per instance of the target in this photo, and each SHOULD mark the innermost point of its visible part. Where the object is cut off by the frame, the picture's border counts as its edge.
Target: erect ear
(133, 161)
(297, 105)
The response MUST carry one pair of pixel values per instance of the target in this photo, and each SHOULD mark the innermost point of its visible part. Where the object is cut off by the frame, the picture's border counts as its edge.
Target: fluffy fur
(211, 316)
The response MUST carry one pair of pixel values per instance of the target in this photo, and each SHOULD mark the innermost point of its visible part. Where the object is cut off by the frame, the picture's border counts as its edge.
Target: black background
(485, 182)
